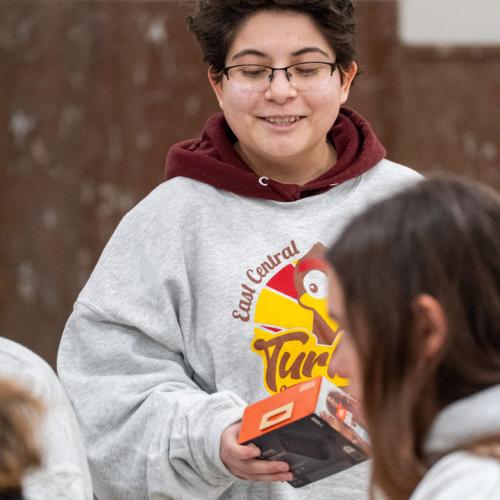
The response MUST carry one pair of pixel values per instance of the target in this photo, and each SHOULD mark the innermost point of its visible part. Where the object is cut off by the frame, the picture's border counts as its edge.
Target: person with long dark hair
(415, 286)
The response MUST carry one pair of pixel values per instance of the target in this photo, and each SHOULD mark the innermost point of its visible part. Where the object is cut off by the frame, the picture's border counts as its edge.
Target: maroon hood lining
(213, 160)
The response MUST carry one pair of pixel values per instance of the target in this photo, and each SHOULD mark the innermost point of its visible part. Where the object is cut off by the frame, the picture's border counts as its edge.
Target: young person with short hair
(211, 294)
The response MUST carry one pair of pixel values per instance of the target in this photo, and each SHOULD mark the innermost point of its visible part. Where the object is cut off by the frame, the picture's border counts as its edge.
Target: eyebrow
(248, 52)
(307, 50)
(255, 52)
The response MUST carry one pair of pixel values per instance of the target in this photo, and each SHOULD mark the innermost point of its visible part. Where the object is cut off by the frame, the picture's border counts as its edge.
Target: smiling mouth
(282, 121)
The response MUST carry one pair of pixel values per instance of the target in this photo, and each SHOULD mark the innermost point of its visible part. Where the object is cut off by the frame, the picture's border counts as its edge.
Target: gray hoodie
(204, 301)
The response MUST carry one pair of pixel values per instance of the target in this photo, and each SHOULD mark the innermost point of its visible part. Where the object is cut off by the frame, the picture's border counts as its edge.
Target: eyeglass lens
(301, 76)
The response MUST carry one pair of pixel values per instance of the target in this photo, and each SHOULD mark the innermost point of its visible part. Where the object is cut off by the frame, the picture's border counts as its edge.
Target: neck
(295, 170)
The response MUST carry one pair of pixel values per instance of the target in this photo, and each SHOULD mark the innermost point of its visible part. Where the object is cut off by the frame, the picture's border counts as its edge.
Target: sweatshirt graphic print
(293, 333)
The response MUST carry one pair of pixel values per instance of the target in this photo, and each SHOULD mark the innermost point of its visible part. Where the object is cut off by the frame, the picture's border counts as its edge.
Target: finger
(281, 476)
(258, 467)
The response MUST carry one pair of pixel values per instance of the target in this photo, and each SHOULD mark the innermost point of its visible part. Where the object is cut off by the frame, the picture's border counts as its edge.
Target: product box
(313, 426)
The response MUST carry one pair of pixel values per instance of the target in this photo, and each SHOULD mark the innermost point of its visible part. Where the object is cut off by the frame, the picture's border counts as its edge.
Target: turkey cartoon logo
(311, 282)
(294, 334)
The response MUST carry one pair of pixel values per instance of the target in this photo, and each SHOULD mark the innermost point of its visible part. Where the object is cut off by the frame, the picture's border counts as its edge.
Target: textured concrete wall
(93, 93)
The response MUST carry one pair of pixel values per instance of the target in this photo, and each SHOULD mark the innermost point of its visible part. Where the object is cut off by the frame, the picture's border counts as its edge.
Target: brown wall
(92, 94)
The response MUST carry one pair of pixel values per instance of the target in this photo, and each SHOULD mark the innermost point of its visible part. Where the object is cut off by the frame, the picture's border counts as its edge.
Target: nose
(280, 88)
(340, 361)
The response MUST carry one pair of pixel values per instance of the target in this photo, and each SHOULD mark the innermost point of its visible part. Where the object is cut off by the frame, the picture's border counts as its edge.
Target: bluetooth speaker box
(314, 426)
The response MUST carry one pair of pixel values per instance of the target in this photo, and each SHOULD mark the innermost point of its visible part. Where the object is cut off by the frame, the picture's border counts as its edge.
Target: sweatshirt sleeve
(150, 431)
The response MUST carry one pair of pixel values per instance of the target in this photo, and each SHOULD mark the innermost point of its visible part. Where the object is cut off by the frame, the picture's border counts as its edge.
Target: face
(281, 122)
(345, 361)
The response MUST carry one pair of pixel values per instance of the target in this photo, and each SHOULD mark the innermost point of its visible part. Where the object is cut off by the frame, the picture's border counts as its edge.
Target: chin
(281, 154)
(283, 149)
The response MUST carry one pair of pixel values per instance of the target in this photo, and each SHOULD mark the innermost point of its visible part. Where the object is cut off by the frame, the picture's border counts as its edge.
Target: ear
(217, 87)
(431, 324)
(347, 78)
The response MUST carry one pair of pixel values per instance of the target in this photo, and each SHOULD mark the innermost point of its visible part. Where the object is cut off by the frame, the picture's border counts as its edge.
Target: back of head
(441, 237)
(19, 452)
(216, 22)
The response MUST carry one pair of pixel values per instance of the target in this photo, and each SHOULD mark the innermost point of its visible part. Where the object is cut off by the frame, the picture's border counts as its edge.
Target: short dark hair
(216, 23)
(440, 237)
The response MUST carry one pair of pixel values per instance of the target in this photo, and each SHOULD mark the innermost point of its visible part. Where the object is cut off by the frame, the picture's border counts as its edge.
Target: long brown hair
(19, 417)
(440, 237)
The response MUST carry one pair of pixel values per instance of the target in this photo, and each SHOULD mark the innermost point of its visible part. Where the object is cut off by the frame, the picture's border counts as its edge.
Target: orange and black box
(314, 426)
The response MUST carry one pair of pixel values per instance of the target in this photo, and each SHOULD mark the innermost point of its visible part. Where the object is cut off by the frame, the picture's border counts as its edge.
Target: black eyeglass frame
(333, 67)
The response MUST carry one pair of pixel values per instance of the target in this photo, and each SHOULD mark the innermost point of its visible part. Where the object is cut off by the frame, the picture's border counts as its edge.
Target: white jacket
(64, 473)
(460, 474)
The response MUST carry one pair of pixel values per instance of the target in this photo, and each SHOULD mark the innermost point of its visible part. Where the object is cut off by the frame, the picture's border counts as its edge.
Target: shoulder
(387, 171)
(152, 241)
(460, 475)
(171, 202)
(28, 369)
(178, 191)
(171, 214)
(385, 179)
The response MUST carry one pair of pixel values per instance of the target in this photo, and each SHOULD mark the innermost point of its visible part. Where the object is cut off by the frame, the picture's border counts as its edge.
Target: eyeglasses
(302, 76)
